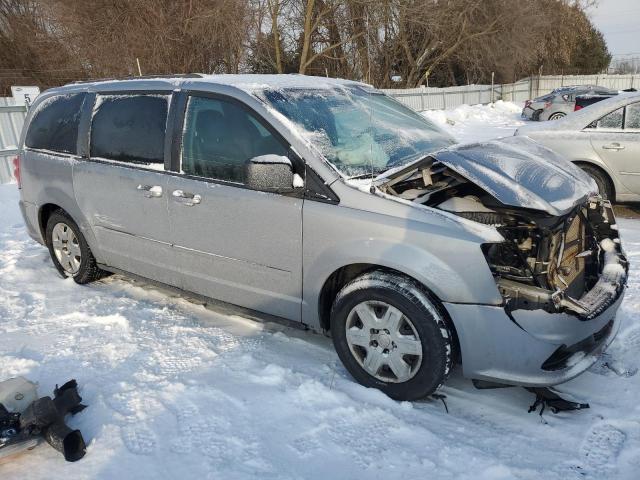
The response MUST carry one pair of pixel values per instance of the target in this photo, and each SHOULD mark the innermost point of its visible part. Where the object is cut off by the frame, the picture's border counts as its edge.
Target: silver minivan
(326, 203)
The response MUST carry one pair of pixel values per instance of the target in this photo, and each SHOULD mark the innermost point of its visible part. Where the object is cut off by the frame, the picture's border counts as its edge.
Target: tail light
(527, 103)
(577, 107)
(16, 171)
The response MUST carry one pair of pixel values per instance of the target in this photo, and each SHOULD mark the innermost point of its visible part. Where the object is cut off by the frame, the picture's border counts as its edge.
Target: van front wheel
(390, 335)
(69, 251)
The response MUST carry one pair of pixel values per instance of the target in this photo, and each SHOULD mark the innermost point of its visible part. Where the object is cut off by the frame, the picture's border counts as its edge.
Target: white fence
(429, 98)
(11, 121)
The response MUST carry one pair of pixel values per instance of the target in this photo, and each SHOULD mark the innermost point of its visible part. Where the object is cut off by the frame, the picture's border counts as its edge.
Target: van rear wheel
(390, 335)
(69, 250)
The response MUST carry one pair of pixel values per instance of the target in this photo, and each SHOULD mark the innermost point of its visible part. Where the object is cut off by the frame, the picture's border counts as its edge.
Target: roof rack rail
(143, 77)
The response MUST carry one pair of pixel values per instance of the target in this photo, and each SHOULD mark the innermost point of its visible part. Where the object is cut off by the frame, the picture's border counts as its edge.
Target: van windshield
(358, 130)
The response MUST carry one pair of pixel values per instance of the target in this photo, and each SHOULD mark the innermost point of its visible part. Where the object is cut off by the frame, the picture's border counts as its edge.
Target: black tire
(605, 187)
(88, 270)
(557, 116)
(536, 115)
(425, 316)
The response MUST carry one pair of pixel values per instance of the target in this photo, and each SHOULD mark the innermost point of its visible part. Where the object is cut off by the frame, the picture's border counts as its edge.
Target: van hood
(520, 172)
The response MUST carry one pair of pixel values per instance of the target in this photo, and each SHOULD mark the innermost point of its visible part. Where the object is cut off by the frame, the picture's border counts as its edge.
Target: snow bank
(469, 123)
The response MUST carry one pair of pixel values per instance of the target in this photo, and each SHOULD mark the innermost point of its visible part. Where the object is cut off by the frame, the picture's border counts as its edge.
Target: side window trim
(137, 165)
(175, 125)
(315, 188)
(176, 160)
(85, 125)
(593, 126)
(78, 132)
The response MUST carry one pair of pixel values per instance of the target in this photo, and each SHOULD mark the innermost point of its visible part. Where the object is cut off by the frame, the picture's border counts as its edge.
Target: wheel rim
(556, 116)
(384, 341)
(66, 248)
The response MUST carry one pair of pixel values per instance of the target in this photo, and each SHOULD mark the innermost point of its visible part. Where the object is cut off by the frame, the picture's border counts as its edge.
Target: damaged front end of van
(560, 270)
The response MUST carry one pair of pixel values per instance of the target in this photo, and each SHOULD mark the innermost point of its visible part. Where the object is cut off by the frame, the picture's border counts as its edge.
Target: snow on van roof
(246, 82)
(254, 82)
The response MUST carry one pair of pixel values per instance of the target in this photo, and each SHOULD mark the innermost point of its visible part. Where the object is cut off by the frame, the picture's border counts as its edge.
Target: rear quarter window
(130, 128)
(54, 125)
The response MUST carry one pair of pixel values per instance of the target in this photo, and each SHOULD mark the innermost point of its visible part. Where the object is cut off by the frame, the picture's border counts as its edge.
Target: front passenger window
(220, 136)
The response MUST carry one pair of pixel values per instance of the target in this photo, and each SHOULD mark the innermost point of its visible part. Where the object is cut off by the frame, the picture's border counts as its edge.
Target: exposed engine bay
(571, 263)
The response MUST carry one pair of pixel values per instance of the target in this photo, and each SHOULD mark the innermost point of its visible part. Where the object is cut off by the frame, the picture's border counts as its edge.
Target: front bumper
(530, 348)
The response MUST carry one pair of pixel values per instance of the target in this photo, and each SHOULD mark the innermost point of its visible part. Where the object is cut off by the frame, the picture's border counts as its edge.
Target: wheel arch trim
(57, 199)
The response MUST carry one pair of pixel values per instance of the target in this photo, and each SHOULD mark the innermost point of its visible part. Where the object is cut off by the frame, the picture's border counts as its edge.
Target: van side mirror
(269, 173)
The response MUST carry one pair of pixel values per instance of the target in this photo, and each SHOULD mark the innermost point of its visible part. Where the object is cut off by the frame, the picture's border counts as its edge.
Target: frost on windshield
(358, 130)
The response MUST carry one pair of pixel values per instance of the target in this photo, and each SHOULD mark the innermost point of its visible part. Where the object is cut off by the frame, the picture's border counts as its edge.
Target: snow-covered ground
(176, 390)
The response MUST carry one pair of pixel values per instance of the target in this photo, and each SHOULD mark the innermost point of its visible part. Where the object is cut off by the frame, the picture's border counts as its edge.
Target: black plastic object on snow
(45, 417)
(548, 398)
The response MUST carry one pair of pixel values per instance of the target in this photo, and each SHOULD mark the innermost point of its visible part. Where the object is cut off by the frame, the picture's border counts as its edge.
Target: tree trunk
(306, 36)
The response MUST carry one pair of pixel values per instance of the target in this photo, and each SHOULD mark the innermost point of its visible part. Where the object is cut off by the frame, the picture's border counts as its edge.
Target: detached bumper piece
(44, 418)
(545, 397)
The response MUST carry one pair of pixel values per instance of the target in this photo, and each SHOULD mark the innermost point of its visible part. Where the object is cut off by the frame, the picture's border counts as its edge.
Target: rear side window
(54, 125)
(130, 128)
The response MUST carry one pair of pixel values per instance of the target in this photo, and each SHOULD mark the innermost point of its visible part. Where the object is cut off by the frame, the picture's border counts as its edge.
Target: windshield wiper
(368, 174)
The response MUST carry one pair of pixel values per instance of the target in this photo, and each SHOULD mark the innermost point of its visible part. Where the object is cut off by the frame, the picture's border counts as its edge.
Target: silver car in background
(560, 102)
(604, 140)
(326, 203)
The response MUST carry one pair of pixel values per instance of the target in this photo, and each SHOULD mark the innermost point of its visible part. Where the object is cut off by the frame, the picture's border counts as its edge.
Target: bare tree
(442, 42)
(321, 14)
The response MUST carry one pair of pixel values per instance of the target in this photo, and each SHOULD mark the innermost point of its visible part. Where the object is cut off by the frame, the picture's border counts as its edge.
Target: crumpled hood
(520, 172)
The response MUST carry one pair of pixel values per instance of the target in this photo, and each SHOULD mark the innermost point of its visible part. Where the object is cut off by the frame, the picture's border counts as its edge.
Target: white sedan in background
(603, 139)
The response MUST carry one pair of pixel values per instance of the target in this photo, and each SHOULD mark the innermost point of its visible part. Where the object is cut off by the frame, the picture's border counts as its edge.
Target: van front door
(234, 244)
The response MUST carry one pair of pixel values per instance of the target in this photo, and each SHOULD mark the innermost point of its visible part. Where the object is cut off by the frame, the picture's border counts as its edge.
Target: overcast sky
(619, 21)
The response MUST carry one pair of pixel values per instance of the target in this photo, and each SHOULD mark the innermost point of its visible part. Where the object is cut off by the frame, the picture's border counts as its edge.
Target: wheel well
(604, 174)
(43, 216)
(338, 279)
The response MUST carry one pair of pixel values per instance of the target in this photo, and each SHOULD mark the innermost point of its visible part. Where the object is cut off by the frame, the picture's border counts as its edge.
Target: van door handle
(613, 146)
(186, 198)
(150, 191)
